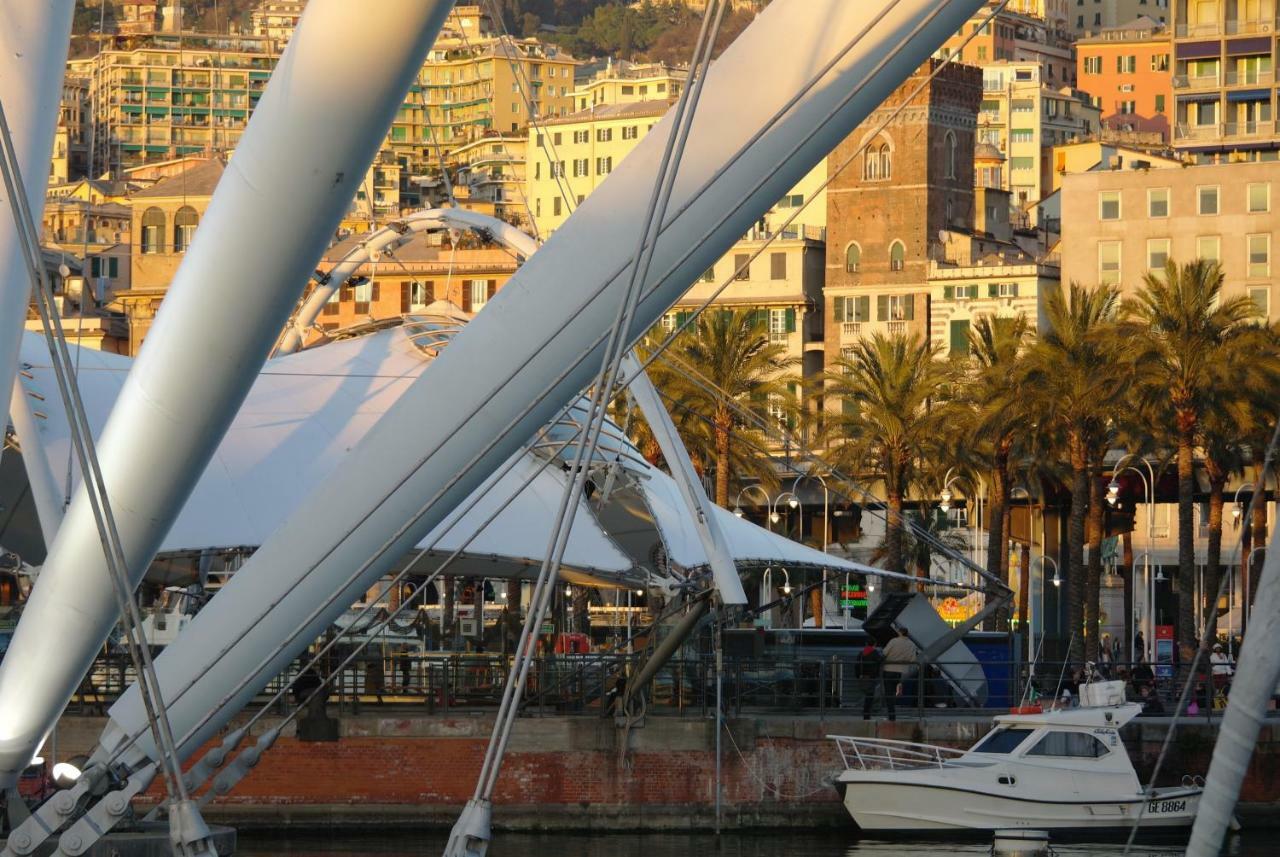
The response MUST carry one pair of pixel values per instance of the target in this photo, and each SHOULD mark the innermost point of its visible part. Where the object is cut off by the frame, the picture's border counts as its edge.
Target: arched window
(886, 162)
(871, 165)
(153, 230)
(897, 256)
(951, 147)
(184, 228)
(852, 258)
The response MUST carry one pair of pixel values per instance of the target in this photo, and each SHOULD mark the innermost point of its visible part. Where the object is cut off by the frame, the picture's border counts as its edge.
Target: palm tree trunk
(893, 541)
(1186, 540)
(1213, 552)
(1075, 548)
(1126, 541)
(724, 436)
(1093, 572)
(996, 518)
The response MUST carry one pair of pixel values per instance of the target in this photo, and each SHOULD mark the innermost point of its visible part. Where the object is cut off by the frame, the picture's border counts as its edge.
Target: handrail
(881, 753)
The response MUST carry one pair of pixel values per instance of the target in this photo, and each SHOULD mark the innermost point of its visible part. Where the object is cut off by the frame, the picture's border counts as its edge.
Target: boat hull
(878, 805)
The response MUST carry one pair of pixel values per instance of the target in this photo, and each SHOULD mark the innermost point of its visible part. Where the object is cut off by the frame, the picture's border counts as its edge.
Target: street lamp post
(1044, 594)
(737, 503)
(819, 618)
(1237, 512)
(1113, 496)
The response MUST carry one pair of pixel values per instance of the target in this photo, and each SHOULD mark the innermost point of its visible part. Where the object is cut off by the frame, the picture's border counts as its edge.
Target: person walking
(901, 659)
(871, 678)
(1222, 667)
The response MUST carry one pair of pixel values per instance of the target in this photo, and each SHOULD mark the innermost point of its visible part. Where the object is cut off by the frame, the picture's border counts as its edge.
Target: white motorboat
(1043, 770)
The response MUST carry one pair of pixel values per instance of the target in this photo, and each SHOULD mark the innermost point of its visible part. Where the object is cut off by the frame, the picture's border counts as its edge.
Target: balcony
(897, 328)
(1186, 30)
(1251, 78)
(1245, 27)
(1249, 129)
(851, 329)
(1202, 81)
(1197, 133)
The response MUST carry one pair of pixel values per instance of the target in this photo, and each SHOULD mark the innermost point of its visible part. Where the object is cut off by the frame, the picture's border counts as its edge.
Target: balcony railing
(1238, 27)
(1197, 30)
(851, 329)
(897, 328)
(1200, 81)
(1250, 129)
(1197, 133)
(1253, 77)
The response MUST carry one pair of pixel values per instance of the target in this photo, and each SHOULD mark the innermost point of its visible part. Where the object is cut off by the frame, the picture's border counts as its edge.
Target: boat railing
(883, 754)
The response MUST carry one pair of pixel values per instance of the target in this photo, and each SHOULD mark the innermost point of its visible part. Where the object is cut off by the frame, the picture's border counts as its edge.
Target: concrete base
(148, 840)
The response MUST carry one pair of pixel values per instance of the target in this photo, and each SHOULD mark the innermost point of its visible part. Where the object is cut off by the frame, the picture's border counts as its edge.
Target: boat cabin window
(1074, 744)
(1002, 741)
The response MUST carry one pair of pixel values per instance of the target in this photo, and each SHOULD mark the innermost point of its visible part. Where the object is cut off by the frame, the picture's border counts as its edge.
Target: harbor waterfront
(399, 769)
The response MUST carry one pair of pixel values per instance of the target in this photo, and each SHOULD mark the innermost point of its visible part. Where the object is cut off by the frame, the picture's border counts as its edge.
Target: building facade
(909, 184)
(491, 172)
(1012, 36)
(276, 20)
(1023, 116)
(624, 82)
(1087, 17)
(1224, 59)
(1127, 73)
(1119, 224)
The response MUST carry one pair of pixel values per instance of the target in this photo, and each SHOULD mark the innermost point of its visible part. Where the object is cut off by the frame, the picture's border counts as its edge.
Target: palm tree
(1223, 457)
(888, 423)
(1074, 379)
(730, 352)
(996, 417)
(1190, 357)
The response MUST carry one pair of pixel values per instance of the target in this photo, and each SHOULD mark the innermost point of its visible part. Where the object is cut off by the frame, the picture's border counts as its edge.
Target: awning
(1250, 95)
(1198, 97)
(1241, 47)
(1198, 50)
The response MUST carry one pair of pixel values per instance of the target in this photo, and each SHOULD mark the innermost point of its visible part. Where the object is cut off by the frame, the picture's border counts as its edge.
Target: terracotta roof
(197, 180)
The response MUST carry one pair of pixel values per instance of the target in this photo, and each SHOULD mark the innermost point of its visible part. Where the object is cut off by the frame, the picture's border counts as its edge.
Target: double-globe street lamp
(1149, 586)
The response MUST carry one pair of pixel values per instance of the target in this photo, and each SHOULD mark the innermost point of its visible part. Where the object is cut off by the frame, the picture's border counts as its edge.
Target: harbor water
(1256, 843)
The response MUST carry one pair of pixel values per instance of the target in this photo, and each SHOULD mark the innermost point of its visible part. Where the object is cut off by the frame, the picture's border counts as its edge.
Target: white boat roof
(1094, 717)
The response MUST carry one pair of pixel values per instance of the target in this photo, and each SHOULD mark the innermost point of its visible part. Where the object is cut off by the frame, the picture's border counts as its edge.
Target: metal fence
(590, 684)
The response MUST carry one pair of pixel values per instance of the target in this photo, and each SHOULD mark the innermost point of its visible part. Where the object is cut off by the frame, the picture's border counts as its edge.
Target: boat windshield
(1002, 741)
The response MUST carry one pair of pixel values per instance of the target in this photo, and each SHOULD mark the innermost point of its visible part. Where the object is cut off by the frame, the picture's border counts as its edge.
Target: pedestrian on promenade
(869, 669)
(901, 660)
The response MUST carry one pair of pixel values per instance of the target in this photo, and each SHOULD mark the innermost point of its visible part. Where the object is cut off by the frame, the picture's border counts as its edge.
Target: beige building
(171, 99)
(1089, 16)
(491, 171)
(625, 82)
(1119, 224)
(276, 20)
(1024, 117)
(69, 144)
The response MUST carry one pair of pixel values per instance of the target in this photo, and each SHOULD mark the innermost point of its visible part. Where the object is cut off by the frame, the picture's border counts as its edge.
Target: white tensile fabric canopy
(308, 409)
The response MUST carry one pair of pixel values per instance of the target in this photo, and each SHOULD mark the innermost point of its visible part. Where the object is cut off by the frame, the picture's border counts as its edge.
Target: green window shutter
(948, 292)
(960, 337)
(791, 319)
(838, 306)
(95, 267)
(113, 266)
(1013, 289)
(993, 290)
(882, 307)
(862, 308)
(910, 314)
(681, 318)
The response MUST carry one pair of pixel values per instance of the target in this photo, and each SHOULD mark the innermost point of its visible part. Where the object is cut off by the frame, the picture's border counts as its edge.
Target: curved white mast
(318, 126)
(33, 59)
(537, 344)
(390, 237)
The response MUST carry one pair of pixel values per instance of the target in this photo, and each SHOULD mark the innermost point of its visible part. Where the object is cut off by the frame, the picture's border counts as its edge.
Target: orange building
(1126, 72)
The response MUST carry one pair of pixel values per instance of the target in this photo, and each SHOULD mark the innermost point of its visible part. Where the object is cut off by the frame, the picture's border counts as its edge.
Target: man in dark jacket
(869, 668)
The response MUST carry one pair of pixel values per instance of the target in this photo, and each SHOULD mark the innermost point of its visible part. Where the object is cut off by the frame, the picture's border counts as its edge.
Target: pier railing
(440, 682)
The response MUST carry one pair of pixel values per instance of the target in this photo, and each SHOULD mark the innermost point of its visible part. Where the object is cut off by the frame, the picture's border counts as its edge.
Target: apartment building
(1088, 17)
(276, 20)
(170, 98)
(1024, 116)
(1119, 224)
(622, 82)
(1012, 36)
(69, 144)
(1127, 73)
(1224, 79)
(489, 173)
(909, 184)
